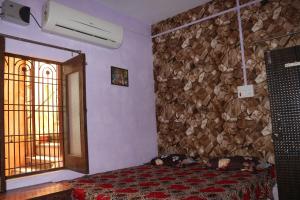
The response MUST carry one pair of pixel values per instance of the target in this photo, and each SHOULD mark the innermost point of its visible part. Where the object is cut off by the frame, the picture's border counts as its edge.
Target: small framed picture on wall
(119, 76)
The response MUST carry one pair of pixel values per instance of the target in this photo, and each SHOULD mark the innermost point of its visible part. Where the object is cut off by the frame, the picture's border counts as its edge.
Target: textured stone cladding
(210, 8)
(244, 1)
(197, 71)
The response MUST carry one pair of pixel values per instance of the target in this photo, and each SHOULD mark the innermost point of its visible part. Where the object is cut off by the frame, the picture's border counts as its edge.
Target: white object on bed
(275, 192)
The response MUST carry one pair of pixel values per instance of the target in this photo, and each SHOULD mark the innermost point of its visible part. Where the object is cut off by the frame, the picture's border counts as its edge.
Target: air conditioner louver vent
(102, 38)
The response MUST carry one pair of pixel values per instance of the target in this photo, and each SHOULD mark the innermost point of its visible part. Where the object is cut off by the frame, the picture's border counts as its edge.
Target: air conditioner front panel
(62, 20)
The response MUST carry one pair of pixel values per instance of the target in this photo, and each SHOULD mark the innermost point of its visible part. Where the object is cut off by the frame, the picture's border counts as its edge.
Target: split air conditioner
(62, 20)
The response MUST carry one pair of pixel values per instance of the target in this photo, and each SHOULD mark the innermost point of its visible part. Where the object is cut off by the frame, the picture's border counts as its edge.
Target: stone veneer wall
(197, 71)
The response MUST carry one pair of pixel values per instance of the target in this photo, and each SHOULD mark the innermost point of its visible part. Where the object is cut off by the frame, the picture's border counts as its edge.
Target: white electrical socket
(245, 91)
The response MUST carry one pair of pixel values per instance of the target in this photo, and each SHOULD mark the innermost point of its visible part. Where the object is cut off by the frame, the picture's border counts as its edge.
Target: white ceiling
(151, 11)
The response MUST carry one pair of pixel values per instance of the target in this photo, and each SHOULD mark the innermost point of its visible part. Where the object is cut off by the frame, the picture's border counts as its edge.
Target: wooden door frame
(2, 146)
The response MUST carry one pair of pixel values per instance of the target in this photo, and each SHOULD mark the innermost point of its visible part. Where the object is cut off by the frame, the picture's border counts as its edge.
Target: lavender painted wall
(121, 121)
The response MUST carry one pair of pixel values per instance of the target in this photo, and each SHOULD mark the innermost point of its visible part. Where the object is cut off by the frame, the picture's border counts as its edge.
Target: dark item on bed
(173, 160)
(234, 163)
(192, 182)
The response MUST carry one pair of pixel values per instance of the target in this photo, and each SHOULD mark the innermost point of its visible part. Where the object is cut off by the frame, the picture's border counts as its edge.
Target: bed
(186, 183)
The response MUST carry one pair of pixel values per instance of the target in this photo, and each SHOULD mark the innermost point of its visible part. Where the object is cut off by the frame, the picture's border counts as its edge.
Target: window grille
(33, 115)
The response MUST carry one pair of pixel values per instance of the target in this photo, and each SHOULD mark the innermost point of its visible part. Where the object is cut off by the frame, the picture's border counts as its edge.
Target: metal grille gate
(33, 115)
(284, 91)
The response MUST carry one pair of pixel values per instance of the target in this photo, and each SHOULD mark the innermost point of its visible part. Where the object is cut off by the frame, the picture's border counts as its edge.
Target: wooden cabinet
(49, 191)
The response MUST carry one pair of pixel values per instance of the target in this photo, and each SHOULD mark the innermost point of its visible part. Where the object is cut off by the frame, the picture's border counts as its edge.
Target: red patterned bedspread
(162, 182)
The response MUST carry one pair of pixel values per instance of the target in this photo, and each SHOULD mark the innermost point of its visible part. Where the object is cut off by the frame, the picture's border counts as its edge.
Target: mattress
(162, 182)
